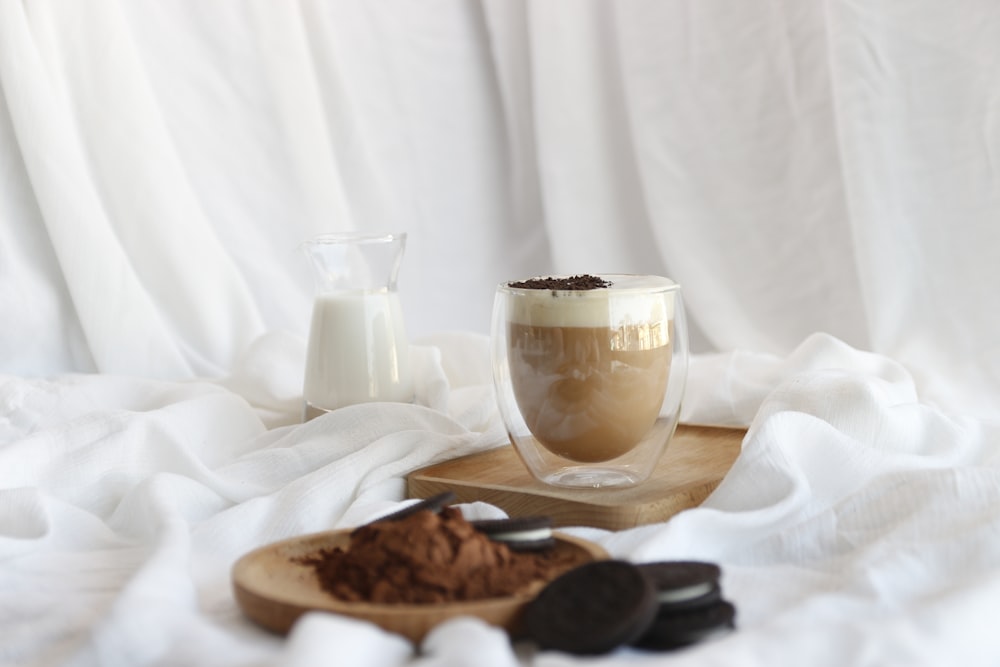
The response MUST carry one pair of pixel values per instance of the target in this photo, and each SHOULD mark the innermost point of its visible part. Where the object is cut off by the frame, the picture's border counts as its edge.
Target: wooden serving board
(695, 462)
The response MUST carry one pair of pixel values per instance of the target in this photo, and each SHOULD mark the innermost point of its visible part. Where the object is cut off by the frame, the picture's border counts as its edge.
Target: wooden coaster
(695, 462)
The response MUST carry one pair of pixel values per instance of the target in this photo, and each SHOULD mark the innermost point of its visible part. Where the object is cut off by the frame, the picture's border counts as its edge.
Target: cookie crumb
(576, 283)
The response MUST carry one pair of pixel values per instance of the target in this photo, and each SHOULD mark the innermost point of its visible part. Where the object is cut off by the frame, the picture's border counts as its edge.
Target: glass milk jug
(358, 350)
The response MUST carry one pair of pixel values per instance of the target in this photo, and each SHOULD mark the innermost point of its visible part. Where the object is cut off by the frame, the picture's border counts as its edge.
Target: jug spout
(358, 350)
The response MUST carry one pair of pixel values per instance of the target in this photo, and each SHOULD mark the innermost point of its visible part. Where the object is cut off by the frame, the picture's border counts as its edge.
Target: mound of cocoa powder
(431, 557)
(570, 283)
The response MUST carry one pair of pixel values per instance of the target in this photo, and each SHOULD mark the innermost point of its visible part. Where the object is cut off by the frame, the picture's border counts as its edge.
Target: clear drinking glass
(589, 382)
(358, 350)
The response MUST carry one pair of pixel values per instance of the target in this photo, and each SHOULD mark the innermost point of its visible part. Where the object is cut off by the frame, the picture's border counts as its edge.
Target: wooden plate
(274, 589)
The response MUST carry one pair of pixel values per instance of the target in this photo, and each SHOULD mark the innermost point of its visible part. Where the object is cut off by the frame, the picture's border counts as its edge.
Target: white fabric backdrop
(820, 177)
(800, 167)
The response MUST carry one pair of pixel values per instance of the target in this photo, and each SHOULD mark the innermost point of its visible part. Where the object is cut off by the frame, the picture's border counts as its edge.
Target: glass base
(582, 477)
(310, 411)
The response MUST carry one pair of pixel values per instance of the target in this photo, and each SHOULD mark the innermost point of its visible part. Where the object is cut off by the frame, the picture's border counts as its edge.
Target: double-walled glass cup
(589, 382)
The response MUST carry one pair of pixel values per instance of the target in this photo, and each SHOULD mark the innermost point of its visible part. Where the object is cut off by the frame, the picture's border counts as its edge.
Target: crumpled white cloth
(859, 525)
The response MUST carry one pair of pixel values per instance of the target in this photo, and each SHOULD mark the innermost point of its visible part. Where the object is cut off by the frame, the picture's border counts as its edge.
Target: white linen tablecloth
(859, 524)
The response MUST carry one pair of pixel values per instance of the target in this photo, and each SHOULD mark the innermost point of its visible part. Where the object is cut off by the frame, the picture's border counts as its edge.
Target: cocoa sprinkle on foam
(569, 284)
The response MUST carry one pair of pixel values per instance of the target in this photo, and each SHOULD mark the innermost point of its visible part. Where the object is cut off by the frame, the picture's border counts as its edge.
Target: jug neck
(352, 262)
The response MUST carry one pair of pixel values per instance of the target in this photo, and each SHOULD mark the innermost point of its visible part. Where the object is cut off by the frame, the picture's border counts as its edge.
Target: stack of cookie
(600, 606)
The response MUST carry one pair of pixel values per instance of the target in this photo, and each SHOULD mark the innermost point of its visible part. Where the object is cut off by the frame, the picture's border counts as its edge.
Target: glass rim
(355, 237)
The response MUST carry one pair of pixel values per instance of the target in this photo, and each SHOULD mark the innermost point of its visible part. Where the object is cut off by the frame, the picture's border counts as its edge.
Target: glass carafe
(358, 351)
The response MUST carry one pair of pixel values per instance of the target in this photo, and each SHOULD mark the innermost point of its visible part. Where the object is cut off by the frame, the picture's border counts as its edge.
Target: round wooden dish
(273, 589)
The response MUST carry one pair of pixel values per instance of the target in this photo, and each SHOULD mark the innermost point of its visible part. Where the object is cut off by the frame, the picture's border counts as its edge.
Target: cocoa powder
(569, 284)
(430, 558)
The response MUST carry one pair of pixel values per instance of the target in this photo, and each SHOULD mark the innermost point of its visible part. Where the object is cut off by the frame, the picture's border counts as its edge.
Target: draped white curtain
(798, 167)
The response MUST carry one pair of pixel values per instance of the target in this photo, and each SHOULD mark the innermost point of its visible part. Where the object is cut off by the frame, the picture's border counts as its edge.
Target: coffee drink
(589, 369)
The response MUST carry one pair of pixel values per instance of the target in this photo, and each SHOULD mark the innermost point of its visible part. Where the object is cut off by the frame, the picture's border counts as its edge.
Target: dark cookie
(683, 584)
(675, 630)
(592, 609)
(526, 533)
(434, 504)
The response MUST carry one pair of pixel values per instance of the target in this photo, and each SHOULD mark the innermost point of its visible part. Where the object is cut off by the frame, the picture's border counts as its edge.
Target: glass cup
(358, 350)
(589, 382)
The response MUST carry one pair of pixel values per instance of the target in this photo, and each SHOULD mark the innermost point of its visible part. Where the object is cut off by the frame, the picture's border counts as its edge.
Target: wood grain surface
(695, 462)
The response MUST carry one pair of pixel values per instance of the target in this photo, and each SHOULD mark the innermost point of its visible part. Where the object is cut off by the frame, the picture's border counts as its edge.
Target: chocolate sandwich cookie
(592, 609)
(691, 607)
(526, 533)
(684, 584)
(676, 629)
(434, 504)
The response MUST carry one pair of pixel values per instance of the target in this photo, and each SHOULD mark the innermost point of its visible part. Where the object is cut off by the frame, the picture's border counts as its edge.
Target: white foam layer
(629, 300)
